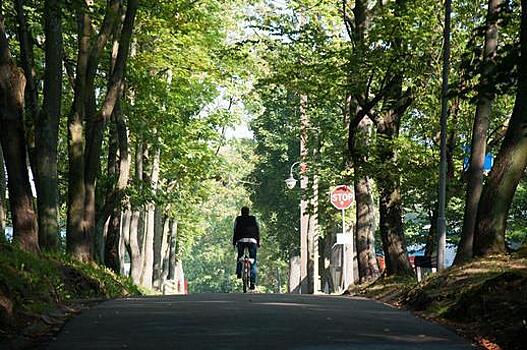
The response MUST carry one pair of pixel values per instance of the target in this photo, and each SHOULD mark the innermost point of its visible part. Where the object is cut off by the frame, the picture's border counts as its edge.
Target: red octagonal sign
(342, 197)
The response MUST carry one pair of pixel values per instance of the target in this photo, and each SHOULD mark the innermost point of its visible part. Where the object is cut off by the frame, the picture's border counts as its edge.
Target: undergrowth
(485, 299)
(34, 284)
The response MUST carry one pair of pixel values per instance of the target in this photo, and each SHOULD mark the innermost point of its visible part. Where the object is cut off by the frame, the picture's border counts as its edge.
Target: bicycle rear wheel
(246, 276)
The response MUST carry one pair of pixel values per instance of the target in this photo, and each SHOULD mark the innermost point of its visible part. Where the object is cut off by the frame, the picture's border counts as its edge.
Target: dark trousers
(252, 254)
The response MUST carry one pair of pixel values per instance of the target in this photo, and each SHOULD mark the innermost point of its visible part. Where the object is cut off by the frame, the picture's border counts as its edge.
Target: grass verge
(484, 300)
(38, 293)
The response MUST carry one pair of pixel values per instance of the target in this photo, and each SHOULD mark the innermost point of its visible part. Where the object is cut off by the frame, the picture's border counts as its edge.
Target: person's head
(245, 211)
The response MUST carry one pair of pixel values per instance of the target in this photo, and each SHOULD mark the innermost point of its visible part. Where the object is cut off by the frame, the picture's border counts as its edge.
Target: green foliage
(517, 224)
(210, 263)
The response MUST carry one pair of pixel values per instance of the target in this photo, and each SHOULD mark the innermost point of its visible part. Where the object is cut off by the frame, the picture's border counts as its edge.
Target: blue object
(487, 164)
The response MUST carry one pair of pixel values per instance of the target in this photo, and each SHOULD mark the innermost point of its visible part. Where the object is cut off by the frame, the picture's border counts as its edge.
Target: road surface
(251, 321)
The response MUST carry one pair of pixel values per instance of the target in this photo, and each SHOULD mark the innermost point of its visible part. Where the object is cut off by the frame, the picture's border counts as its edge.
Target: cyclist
(246, 235)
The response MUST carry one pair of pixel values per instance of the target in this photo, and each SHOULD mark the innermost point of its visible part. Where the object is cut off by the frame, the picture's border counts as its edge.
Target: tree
(359, 143)
(12, 138)
(509, 166)
(47, 129)
(485, 99)
(85, 146)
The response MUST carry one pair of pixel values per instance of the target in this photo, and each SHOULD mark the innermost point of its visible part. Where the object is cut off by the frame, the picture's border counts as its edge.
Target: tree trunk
(304, 181)
(479, 134)
(3, 187)
(313, 241)
(106, 243)
(389, 182)
(118, 169)
(148, 262)
(47, 130)
(358, 149)
(294, 275)
(78, 243)
(431, 239)
(173, 249)
(393, 241)
(31, 91)
(95, 132)
(326, 272)
(165, 249)
(111, 248)
(365, 230)
(159, 231)
(365, 213)
(13, 143)
(111, 244)
(124, 238)
(509, 166)
(136, 257)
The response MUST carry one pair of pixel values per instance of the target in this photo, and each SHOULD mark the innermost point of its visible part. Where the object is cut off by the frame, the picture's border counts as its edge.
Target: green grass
(485, 298)
(35, 284)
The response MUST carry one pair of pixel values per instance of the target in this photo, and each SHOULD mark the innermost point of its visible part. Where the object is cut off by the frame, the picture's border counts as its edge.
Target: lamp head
(290, 182)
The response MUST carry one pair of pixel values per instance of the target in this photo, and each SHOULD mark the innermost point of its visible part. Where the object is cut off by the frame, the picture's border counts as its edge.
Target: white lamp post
(291, 181)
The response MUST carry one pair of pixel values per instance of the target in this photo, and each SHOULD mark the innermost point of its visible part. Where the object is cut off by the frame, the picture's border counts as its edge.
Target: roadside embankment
(38, 293)
(484, 300)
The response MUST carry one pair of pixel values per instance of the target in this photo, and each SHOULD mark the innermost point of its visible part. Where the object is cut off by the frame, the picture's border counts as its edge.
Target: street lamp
(291, 181)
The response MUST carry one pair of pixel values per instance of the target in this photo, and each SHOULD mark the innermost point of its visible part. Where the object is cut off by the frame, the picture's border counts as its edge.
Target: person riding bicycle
(246, 235)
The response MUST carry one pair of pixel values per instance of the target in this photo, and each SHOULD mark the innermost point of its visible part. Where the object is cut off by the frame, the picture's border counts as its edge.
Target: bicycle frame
(246, 262)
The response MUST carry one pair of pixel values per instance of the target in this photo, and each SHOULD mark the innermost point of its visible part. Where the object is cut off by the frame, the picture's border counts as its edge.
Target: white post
(352, 257)
(344, 253)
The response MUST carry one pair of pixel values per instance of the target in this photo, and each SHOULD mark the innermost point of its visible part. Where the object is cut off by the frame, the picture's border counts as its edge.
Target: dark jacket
(246, 227)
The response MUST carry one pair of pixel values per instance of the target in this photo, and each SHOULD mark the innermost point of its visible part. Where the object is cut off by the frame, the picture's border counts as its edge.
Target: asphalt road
(251, 321)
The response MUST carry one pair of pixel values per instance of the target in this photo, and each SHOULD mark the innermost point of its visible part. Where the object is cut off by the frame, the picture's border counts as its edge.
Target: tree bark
(148, 249)
(431, 239)
(85, 161)
(358, 149)
(313, 237)
(165, 250)
(12, 139)
(389, 182)
(327, 268)
(124, 238)
(294, 275)
(111, 248)
(31, 92)
(136, 257)
(365, 213)
(106, 243)
(159, 238)
(47, 130)
(95, 131)
(119, 169)
(485, 100)
(78, 242)
(108, 27)
(173, 249)
(388, 121)
(365, 231)
(509, 166)
(304, 182)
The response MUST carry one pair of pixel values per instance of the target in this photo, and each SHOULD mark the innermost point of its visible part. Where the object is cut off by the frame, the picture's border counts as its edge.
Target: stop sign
(342, 197)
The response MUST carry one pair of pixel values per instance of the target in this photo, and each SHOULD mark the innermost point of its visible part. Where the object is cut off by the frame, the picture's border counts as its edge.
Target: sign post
(342, 198)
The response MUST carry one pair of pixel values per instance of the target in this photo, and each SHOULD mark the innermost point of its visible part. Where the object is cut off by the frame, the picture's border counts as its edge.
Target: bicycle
(246, 262)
